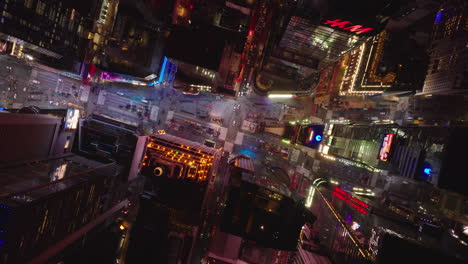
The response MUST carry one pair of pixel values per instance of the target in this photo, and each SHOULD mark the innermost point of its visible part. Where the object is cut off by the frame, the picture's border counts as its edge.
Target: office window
(28, 3)
(72, 15)
(44, 221)
(63, 21)
(91, 193)
(52, 14)
(451, 25)
(71, 25)
(40, 7)
(6, 14)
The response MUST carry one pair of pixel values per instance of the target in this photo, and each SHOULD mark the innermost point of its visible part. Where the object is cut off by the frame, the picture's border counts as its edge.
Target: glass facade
(53, 28)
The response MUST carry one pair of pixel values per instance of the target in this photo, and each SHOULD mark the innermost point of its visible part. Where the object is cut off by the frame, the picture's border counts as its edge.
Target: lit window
(6, 14)
(72, 15)
(40, 7)
(52, 14)
(28, 3)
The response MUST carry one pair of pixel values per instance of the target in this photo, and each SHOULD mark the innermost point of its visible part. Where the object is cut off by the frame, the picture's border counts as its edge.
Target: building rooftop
(25, 182)
(243, 162)
(188, 143)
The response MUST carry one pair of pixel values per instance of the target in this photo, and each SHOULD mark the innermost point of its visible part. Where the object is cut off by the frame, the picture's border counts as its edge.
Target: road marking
(196, 120)
(223, 133)
(228, 147)
(154, 113)
(239, 138)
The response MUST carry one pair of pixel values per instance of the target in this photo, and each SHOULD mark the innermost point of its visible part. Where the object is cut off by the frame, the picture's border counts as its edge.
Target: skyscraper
(316, 35)
(46, 30)
(448, 53)
(47, 205)
(179, 176)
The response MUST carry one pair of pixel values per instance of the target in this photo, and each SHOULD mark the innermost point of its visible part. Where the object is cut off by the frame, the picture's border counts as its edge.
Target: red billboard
(294, 181)
(385, 148)
(354, 202)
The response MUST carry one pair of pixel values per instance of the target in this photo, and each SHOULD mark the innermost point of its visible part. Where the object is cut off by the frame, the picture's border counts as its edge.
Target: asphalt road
(191, 117)
(25, 83)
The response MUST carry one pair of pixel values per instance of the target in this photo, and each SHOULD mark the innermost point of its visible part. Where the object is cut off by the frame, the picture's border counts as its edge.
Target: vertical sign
(384, 152)
(294, 181)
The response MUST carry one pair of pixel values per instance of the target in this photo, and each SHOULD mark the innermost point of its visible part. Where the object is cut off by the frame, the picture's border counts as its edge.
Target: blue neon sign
(427, 171)
(439, 15)
(161, 73)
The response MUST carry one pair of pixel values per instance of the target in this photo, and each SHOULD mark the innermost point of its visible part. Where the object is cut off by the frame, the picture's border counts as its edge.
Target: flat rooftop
(25, 182)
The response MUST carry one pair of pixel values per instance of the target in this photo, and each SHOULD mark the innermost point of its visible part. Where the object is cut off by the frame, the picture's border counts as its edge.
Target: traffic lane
(193, 133)
(262, 155)
(181, 117)
(123, 108)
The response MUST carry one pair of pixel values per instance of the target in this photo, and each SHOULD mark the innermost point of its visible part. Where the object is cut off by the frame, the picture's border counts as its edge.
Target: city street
(283, 132)
(198, 118)
(201, 117)
(26, 83)
(194, 117)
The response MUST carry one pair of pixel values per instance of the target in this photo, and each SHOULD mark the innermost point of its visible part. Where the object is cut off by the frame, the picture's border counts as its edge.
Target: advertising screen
(312, 135)
(59, 172)
(354, 202)
(385, 148)
(71, 120)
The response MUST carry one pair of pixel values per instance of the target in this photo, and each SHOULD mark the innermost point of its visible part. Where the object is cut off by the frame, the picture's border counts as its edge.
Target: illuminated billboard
(59, 172)
(71, 120)
(357, 204)
(385, 148)
(313, 136)
(347, 26)
(116, 77)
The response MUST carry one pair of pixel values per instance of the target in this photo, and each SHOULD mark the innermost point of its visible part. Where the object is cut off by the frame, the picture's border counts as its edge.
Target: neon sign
(385, 148)
(357, 204)
(346, 25)
(439, 16)
(311, 134)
